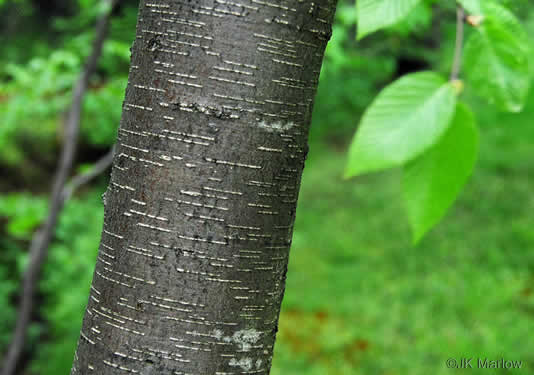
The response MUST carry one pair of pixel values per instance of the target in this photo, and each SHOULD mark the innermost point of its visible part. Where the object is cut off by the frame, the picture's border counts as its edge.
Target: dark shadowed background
(360, 299)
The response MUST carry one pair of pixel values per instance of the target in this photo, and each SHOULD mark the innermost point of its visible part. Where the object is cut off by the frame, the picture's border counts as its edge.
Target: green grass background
(361, 300)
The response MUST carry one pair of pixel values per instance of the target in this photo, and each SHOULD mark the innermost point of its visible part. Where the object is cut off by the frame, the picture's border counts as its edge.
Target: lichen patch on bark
(276, 126)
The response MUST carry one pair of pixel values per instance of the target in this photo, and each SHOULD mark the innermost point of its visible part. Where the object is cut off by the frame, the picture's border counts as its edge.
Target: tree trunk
(200, 209)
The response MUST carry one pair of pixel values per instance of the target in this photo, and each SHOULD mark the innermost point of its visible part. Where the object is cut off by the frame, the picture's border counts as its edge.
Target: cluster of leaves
(68, 272)
(8, 287)
(39, 90)
(23, 214)
(419, 123)
(340, 78)
(364, 67)
(65, 282)
(39, 67)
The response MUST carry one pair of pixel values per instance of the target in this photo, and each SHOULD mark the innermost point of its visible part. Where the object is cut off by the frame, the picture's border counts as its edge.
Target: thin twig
(43, 236)
(98, 168)
(457, 62)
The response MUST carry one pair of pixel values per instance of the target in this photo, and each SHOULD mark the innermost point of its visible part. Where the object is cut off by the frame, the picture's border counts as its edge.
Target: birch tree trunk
(200, 209)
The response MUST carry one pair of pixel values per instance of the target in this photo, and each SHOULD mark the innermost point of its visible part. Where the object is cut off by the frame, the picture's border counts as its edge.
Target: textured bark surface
(200, 209)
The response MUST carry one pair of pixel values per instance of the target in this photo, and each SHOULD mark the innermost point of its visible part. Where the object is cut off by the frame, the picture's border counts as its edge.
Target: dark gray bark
(200, 209)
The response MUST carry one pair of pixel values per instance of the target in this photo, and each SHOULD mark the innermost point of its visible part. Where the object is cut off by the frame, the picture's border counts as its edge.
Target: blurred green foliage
(35, 88)
(23, 212)
(69, 267)
(39, 67)
(358, 300)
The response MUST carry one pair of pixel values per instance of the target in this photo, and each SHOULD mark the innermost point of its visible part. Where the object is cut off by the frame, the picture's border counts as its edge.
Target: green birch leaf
(497, 59)
(374, 15)
(406, 119)
(432, 182)
(472, 6)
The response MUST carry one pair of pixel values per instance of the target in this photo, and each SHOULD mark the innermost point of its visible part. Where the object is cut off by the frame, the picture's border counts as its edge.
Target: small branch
(457, 62)
(43, 236)
(98, 168)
